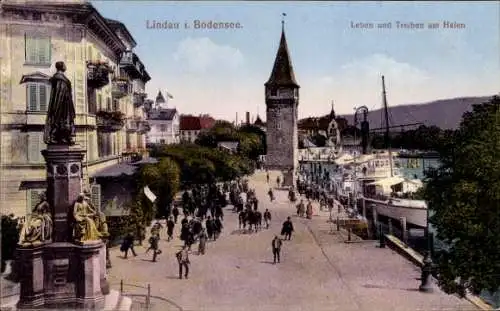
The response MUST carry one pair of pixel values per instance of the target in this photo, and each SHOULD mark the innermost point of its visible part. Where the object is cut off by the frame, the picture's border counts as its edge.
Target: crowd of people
(202, 208)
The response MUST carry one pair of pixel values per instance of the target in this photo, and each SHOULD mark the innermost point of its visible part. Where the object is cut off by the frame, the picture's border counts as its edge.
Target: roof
(258, 121)
(162, 114)
(282, 74)
(116, 170)
(193, 123)
(114, 24)
(160, 98)
(387, 182)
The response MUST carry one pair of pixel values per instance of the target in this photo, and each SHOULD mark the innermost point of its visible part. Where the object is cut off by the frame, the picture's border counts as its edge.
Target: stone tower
(282, 100)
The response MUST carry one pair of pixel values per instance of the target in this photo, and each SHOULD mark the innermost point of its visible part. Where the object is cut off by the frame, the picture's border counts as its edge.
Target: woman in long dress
(38, 227)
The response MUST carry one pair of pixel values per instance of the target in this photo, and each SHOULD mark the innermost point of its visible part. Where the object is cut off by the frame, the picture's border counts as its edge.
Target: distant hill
(445, 113)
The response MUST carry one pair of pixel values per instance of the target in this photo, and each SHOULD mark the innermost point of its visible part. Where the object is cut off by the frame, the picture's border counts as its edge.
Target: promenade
(318, 271)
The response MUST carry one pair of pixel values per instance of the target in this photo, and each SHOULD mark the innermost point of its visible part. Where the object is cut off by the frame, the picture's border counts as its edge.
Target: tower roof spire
(282, 74)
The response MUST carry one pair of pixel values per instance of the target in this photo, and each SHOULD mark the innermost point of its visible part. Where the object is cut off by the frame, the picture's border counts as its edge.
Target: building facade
(191, 126)
(108, 83)
(164, 123)
(282, 100)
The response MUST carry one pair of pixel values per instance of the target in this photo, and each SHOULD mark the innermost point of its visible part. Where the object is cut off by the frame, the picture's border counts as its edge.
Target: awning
(116, 170)
(145, 161)
(387, 182)
(33, 184)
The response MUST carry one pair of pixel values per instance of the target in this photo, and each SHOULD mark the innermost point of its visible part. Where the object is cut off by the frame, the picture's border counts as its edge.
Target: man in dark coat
(128, 244)
(175, 213)
(267, 218)
(287, 229)
(60, 122)
(183, 260)
(170, 228)
(217, 228)
(209, 224)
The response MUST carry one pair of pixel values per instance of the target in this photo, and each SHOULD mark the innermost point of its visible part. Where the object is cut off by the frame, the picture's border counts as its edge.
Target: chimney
(248, 117)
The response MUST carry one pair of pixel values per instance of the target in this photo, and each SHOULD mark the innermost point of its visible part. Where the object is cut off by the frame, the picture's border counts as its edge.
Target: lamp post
(426, 285)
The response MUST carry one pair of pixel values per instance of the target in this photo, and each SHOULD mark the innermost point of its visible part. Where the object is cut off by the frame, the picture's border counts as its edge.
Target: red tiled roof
(192, 123)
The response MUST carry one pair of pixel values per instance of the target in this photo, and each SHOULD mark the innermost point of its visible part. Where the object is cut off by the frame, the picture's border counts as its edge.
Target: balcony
(109, 121)
(143, 127)
(132, 125)
(132, 65)
(120, 87)
(98, 74)
(139, 99)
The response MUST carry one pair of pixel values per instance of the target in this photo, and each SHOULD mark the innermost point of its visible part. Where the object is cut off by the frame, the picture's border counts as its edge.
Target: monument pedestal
(88, 283)
(31, 276)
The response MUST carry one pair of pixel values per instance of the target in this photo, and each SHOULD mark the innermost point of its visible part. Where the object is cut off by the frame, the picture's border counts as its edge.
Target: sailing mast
(386, 136)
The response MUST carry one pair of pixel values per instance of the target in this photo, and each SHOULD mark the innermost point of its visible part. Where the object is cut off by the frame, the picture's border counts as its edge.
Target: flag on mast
(170, 95)
(149, 194)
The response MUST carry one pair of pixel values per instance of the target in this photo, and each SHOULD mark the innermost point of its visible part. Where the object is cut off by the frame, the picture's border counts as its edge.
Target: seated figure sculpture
(99, 218)
(38, 227)
(85, 225)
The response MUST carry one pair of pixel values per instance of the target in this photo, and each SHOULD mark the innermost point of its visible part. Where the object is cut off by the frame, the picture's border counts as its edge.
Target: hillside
(445, 113)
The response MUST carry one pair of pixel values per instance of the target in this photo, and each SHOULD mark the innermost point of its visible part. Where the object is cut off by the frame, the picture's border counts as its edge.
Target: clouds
(200, 55)
(358, 82)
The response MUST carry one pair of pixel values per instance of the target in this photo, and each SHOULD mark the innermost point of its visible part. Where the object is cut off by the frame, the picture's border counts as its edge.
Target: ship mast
(386, 136)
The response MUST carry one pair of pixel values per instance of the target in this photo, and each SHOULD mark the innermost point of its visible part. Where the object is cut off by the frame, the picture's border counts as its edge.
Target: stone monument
(61, 253)
(282, 100)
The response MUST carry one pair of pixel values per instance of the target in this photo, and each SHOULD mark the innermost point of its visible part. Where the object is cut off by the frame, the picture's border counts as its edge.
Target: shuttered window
(95, 196)
(33, 199)
(99, 101)
(37, 50)
(79, 91)
(35, 146)
(37, 96)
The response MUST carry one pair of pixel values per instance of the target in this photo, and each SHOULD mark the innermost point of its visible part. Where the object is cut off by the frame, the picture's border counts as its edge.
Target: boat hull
(416, 216)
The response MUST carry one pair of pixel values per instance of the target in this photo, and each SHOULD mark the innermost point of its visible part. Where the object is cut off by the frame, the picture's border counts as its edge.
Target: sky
(222, 71)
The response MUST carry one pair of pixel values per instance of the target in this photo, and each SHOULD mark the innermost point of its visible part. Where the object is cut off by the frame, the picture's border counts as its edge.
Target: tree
(163, 179)
(464, 196)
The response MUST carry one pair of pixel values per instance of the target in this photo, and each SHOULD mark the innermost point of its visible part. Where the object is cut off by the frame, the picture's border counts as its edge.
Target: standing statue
(60, 123)
(38, 227)
(85, 226)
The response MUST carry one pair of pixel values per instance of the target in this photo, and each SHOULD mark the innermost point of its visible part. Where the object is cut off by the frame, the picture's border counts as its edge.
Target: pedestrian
(183, 260)
(218, 228)
(209, 224)
(271, 194)
(278, 181)
(276, 244)
(153, 244)
(309, 210)
(267, 177)
(287, 229)
(170, 228)
(202, 242)
(267, 218)
(175, 213)
(128, 244)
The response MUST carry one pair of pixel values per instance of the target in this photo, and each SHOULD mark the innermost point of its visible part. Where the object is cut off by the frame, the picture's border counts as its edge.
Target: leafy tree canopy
(464, 197)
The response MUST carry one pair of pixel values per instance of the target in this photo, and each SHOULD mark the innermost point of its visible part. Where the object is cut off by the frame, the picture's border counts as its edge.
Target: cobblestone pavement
(318, 271)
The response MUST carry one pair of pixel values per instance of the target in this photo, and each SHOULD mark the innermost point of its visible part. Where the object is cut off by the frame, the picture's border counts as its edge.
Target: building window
(99, 101)
(108, 104)
(280, 140)
(163, 127)
(37, 50)
(116, 105)
(162, 141)
(33, 199)
(37, 96)
(36, 144)
(278, 125)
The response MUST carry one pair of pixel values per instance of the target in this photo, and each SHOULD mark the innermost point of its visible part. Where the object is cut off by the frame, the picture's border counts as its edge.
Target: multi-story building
(108, 86)
(164, 123)
(191, 126)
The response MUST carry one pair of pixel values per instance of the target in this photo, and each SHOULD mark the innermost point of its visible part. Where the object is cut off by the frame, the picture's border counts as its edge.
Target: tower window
(274, 92)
